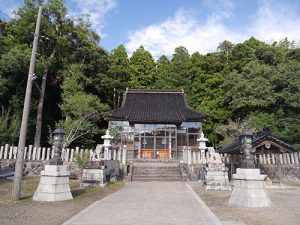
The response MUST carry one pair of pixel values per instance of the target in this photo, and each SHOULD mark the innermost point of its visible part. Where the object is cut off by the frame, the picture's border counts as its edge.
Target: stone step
(156, 167)
(157, 173)
(158, 176)
(154, 170)
(147, 179)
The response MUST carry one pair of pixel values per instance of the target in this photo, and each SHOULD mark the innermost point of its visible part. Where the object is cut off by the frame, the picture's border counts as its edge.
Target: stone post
(189, 157)
(102, 175)
(124, 154)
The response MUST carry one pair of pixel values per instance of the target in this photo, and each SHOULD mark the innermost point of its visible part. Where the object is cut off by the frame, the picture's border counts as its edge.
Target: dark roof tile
(155, 106)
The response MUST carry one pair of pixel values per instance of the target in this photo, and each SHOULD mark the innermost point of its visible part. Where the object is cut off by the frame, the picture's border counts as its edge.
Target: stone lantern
(246, 145)
(249, 188)
(202, 142)
(58, 144)
(54, 181)
(202, 147)
(107, 145)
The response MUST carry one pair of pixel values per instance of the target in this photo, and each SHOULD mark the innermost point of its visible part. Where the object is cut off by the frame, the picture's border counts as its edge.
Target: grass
(30, 183)
(292, 183)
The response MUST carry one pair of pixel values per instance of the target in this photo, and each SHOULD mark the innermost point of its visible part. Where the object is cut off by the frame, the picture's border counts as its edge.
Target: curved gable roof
(235, 147)
(155, 106)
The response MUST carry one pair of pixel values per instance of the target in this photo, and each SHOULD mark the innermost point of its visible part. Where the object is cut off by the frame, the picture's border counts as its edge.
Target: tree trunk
(39, 117)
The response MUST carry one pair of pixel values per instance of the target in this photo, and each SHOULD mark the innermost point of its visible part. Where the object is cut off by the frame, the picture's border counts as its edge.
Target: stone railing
(195, 157)
(31, 153)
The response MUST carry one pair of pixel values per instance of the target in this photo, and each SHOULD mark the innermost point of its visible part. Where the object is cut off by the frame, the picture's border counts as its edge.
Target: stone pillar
(170, 146)
(1, 152)
(114, 154)
(194, 158)
(54, 184)
(119, 154)
(189, 156)
(6, 151)
(124, 154)
(102, 175)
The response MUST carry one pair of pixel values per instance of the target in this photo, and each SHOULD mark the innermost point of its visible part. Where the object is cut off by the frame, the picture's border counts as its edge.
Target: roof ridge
(155, 91)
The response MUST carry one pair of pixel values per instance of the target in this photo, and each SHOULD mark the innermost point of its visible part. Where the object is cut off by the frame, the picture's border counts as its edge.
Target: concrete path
(148, 203)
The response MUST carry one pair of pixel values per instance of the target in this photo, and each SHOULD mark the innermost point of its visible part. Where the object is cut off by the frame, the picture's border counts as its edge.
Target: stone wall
(34, 168)
(289, 172)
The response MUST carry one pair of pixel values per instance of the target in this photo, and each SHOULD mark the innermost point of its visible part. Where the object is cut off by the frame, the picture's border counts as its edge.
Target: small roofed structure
(263, 143)
(156, 123)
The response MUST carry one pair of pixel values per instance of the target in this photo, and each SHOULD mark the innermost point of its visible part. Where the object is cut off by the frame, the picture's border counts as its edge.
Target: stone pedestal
(94, 174)
(249, 189)
(54, 184)
(216, 177)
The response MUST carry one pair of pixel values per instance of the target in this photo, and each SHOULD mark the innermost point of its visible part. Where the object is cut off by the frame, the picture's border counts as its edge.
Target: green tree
(81, 111)
(81, 160)
(9, 127)
(142, 69)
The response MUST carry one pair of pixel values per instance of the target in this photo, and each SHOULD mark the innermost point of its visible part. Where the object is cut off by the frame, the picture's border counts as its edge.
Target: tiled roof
(258, 138)
(155, 106)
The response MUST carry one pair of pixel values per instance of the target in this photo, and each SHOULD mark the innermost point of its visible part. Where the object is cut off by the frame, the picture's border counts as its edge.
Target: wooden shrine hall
(155, 124)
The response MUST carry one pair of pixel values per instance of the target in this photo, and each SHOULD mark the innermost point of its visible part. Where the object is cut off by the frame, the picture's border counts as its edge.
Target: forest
(77, 82)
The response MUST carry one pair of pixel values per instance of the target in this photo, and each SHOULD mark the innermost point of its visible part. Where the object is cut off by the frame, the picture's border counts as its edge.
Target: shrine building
(156, 124)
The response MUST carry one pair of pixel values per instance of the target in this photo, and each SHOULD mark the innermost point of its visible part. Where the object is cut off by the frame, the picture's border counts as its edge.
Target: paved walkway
(148, 203)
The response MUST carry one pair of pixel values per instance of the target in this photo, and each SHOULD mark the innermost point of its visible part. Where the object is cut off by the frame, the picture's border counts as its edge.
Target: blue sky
(200, 25)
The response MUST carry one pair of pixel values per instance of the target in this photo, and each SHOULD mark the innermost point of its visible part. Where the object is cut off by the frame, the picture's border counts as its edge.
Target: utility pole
(23, 132)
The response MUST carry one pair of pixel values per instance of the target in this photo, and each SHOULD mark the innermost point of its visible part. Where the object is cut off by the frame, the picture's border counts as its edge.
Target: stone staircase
(156, 171)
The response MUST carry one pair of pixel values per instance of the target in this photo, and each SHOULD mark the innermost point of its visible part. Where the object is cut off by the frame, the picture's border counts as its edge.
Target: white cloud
(97, 9)
(183, 29)
(7, 7)
(275, 22)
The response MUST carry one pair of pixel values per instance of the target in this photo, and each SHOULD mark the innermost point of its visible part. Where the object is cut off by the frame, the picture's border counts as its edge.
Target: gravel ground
(28, 212)
(285, 207)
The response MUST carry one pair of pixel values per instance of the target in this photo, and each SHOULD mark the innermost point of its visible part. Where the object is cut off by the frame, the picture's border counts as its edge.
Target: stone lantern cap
(246, 133)
(202, 138)
(107, 135)
(59, 131)
(107, 138)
